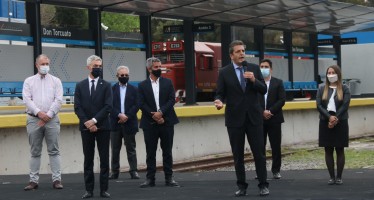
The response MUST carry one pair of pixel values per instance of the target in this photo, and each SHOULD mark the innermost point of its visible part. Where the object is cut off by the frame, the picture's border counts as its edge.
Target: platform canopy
(311, 16)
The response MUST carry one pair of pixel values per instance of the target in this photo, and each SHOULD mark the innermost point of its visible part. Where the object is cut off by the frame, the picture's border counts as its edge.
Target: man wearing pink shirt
(42, 95)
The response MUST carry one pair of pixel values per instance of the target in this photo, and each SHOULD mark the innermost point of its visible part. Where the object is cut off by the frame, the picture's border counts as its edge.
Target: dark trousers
(88, 140)
(256, 141)
(274, 131)
(130, 144)
(166, 136)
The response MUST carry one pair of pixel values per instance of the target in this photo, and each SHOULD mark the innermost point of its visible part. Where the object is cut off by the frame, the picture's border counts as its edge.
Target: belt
(32, 115)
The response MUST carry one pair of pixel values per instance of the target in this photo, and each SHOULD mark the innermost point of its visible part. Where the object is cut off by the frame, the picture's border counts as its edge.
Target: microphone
(245, 68)
(245, 65)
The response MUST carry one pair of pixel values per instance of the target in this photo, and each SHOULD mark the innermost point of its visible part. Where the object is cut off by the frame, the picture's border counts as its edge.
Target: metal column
(259, 38)
(338, 50)
(189, 56)
(146, 30)
(288, 45)
(33, 18)
(94, 21)
(225, 42)
(313, 41)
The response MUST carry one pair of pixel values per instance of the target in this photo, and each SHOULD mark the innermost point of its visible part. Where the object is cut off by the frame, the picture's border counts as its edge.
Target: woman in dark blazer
(333, 100)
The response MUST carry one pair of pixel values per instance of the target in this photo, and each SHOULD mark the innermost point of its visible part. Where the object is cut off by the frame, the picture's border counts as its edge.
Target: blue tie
(242, 81)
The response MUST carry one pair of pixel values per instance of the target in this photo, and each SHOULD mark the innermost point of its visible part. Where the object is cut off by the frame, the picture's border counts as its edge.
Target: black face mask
(156, 73)
(123, 79)
(96, 72)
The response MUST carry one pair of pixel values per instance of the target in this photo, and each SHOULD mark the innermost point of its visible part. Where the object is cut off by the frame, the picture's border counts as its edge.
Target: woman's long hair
(339, 84)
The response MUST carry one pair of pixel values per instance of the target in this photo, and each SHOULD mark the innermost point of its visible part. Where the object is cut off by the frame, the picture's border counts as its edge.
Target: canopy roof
(312, 16)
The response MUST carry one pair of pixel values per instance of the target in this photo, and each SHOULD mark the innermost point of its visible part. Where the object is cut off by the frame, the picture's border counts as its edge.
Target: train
(208, 61)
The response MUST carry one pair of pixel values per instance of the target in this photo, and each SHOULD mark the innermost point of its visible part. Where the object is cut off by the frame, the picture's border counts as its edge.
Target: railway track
(224, 160)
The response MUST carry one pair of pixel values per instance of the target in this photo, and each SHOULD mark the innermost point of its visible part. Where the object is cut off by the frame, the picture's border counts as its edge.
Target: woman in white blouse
(333, 100)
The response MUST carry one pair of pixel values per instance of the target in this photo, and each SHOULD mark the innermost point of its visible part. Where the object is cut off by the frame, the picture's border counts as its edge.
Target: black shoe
(113, 176)
(171, 183)
(104, 194)
(331, 181)
(241, 192)
(134, 175)
(87, 195)
(264, 191)
(338, 181)
(277, 175)
(148, 183)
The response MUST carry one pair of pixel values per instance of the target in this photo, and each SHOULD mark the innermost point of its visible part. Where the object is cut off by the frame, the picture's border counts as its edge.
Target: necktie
(92, 88)
(242, 81)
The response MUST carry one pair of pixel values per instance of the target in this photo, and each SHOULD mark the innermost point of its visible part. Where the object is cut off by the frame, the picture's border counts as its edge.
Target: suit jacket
(147, 102)
(240, 103)
(99, 107)
(275, 101)
(131, 109)
(341, 106)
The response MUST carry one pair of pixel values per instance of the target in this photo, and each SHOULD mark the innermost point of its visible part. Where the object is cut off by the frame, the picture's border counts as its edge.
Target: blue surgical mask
(265, 72)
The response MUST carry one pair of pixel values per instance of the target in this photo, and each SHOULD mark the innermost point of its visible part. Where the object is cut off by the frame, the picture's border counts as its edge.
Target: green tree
(120, 22)
(71, 17)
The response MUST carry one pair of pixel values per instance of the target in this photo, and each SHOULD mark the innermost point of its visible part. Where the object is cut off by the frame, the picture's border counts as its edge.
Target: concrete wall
(194, 137)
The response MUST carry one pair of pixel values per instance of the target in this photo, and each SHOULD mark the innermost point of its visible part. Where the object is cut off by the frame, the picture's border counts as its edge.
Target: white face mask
(332, 78)
(44, 69)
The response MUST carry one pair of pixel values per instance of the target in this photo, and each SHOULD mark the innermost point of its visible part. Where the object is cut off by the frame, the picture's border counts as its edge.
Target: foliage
(120, 22)
(71, 17)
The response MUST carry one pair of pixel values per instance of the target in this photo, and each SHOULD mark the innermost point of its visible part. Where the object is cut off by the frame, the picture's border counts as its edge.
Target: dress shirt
(90, 83)
(156, 91)
(42, 93)
(331, 106)
(89, 88)
(122, 90)
(237, 71)
(267, 91)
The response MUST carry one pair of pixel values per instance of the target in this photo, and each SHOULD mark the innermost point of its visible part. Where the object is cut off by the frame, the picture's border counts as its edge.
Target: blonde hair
(339, 84)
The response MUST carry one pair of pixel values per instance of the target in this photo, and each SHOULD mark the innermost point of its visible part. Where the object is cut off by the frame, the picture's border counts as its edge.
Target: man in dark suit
(240, 84)
(271, 104)
(124, 122)
(93, 104)
(156, 101)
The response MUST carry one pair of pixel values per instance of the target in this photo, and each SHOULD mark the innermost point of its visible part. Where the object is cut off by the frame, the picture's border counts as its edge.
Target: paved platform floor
(297, 185)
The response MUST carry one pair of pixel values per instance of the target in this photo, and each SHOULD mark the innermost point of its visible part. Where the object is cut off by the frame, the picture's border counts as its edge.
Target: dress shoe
(104, 194)
(338, 181)
(264, 191)
(134, 175)
(241, 192)
(88, 194)
(331, 181)
(171, 183)
(57, 185)
(277, 175)
(113, 176)
(31, 186)
(148, 183)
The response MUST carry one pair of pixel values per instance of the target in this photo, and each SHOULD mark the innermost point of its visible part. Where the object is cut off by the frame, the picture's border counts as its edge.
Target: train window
(208, 61)
(201, 62)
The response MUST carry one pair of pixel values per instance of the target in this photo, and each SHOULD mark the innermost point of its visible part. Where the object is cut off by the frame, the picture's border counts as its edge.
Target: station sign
(352, 40)
(342, 41)
(198, 28)
(173, 29)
